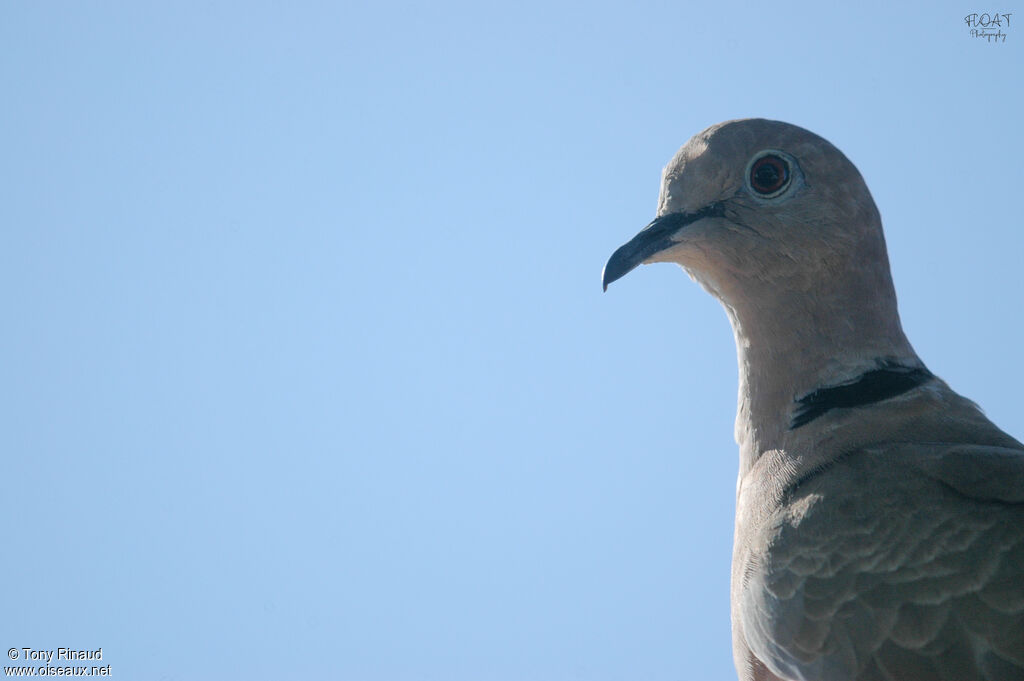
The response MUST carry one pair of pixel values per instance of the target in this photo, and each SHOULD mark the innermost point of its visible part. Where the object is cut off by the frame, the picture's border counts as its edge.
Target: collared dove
(879, 514)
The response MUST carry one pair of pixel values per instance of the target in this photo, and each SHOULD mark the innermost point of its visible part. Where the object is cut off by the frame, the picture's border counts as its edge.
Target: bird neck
(789, 347)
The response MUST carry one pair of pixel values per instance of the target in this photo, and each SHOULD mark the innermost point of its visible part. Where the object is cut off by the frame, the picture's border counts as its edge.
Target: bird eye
(769, 175)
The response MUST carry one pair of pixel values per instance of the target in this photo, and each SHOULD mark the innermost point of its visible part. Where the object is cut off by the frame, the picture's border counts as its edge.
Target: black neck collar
(888, 380)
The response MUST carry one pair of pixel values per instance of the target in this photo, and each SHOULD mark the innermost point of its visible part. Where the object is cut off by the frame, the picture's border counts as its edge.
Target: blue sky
(307, 369)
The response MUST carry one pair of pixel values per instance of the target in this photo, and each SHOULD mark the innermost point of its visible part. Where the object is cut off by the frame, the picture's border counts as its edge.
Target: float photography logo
(988, 26)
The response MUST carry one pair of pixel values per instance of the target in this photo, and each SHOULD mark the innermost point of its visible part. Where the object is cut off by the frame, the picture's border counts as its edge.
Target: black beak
(655, 237)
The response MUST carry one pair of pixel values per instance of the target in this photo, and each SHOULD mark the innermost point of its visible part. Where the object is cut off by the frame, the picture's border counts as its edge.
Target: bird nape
(880, 515)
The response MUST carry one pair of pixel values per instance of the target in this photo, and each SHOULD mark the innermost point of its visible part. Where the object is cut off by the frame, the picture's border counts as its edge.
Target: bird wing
(903, 562)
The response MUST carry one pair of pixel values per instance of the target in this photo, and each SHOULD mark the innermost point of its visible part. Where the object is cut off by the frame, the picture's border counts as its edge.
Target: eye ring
(769, 174)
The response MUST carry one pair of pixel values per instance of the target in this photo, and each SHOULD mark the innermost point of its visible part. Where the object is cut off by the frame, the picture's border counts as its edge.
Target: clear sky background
(306, 369)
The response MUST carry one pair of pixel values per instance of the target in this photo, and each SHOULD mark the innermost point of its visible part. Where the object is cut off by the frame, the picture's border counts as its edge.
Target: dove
(879, 515)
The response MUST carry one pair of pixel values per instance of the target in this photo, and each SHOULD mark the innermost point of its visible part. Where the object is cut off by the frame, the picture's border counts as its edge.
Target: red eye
(769, 175)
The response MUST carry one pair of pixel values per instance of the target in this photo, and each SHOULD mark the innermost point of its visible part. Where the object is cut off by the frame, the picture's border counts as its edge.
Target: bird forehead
(695, 177)
(710, 165)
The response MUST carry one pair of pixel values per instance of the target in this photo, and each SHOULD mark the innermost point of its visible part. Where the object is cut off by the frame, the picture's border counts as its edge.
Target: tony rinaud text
(62, 654)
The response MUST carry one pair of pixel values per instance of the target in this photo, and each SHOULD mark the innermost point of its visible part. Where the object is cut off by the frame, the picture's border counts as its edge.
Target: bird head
(753, 208)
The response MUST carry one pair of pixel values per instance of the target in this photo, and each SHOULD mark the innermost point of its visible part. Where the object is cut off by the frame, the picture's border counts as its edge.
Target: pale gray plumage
(880, 516)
